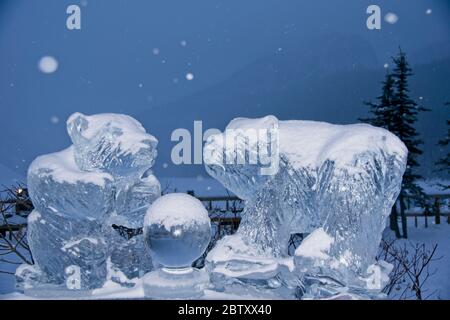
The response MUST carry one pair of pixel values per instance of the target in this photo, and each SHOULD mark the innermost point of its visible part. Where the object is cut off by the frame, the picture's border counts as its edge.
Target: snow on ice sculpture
(177, 230)
(336, 183)
(89, 201)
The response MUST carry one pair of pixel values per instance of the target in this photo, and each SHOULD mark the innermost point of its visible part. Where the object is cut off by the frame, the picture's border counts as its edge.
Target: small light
(19, 191)
(391, 18)
(189, 76)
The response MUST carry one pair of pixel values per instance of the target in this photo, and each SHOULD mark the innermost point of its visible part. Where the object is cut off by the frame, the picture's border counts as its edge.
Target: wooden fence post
(437, 211)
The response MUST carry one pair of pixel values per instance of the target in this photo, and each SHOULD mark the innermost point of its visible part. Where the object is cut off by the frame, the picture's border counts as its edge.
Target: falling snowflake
(183, 43)
(386, 65)
(175, 80)
(391, 18)
(54, 119)
(155, 51)
(165, 165)
(48, 64)
(429, 11)
(140, 85)
(189, 76)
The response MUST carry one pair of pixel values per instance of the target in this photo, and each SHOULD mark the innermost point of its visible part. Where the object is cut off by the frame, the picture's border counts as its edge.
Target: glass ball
(177, 230)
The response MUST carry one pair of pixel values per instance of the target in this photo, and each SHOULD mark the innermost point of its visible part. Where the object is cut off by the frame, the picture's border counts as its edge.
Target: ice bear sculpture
(336, 183)
(90, 200)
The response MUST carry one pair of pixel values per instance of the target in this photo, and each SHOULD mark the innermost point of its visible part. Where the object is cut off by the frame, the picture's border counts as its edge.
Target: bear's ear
(76, 124)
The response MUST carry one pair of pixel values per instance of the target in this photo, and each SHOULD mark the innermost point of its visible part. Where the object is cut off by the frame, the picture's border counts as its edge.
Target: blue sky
(110, 66)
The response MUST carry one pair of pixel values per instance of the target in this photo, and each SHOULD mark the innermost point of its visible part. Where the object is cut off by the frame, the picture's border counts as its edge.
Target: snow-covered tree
(443, 164)
(382, 110)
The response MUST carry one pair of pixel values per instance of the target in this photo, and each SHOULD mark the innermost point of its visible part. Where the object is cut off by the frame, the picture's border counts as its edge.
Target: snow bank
(176, 209)
(339, 143)
(61, 167)
(316, 245)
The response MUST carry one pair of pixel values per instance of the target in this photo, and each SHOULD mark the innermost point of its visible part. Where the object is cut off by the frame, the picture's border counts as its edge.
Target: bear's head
(245, 157)
(113, 143)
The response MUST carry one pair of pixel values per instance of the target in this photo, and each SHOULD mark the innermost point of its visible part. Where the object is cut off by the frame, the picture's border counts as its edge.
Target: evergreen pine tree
(403, 117)
(397, 112)
(382, 111)
(443, 164)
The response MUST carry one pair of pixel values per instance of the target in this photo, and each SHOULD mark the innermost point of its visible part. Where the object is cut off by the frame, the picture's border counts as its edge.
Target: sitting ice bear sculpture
(336, 183)
(90, 199)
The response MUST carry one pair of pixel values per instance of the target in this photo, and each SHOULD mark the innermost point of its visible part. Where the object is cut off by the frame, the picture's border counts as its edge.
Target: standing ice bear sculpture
(89, 199)
(334, 182)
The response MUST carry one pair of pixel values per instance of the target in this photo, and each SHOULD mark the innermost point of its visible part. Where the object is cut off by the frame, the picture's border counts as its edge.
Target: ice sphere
(83, 195)
(177, 230)
(341, 178)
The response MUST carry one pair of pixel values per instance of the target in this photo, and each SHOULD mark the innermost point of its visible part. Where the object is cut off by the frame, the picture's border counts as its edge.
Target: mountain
(433, 52)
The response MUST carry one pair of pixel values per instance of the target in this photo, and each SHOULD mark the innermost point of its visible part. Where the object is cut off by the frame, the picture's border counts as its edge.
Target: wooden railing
(225, 212)
(439, 207)
(10, 228)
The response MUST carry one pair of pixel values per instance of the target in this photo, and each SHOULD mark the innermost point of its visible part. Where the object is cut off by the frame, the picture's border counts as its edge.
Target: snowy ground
(7, 281)
(438, 285)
